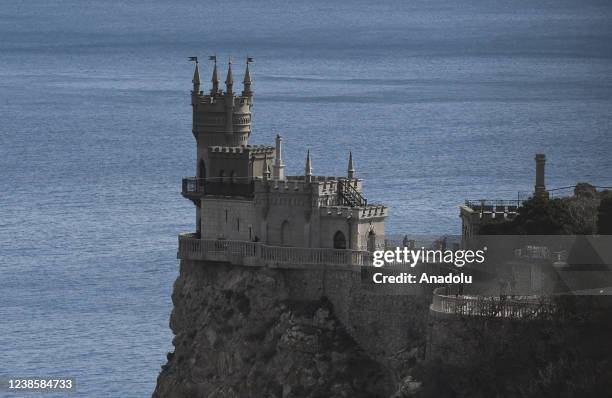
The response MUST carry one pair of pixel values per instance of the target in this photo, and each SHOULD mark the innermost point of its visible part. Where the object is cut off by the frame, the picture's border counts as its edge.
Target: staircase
(349, 195)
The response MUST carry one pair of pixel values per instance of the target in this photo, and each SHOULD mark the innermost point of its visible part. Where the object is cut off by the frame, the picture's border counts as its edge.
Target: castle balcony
(258, 254)
(194, 188)
(520, 307)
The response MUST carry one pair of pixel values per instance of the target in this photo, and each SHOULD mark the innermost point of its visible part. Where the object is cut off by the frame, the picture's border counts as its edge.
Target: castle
(248, 211)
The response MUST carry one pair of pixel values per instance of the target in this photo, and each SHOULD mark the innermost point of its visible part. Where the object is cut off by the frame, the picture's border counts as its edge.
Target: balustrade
(192, 248)
(507, 307)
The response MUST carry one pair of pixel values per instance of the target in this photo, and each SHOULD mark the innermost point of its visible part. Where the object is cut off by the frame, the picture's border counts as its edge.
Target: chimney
(540, 186)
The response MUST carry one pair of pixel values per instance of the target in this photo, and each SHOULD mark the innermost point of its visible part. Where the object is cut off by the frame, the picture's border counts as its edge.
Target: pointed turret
(215, 79)
(351, 169)
(196, 78)
(229, 80)
(279, 167)
(265, 168)
(308, 168)
(247, 92)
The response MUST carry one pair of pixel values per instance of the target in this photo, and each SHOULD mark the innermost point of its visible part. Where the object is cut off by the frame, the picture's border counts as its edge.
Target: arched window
(222, 176)
(339, 240)
(233, 176)
(371, 241)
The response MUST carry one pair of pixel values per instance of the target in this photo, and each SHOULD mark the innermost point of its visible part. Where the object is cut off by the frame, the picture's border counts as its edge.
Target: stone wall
(387, 324)
(232, 219)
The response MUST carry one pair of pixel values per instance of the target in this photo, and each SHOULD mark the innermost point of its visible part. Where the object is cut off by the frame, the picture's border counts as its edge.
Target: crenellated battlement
(372, 211)
(252, 149)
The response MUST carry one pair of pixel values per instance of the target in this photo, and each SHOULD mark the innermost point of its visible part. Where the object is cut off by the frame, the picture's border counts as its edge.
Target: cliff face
(246, 332)
(241, 333)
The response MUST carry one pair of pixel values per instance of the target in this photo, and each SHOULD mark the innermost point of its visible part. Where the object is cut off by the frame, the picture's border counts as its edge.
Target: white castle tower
(245, 201)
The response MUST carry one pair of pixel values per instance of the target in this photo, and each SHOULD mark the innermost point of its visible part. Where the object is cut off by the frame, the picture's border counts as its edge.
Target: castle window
(226, 216)
(237, 224)
(339, 240)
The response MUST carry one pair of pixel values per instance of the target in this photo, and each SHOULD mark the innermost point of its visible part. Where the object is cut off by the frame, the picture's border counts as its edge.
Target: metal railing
(503, 307)
(494, 205)
(350, 195)
(257, 253)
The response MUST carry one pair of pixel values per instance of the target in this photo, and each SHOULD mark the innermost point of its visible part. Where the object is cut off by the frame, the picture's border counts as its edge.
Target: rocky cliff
(243, 332)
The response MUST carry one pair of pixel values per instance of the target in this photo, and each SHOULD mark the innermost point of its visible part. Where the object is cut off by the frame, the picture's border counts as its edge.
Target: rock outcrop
(240, 334)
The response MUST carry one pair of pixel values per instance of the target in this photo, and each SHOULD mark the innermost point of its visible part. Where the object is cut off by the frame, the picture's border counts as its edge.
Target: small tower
(540, 186)
(215, 78)
(308, 168)
(196, 83)
(229, 80)
(279, 167)
(229, 103)
(247, 92)
(351, 169)
(196, 78)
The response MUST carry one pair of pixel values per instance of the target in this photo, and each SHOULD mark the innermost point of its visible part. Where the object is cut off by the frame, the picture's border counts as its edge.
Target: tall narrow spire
(265, 168)
(196, 78)
(215, 77)
(247, 92)
(229, 80)
(308, 169)
(351, 169)
(279, 167)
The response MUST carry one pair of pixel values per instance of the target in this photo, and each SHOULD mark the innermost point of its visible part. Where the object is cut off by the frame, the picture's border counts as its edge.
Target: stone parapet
(258, 254)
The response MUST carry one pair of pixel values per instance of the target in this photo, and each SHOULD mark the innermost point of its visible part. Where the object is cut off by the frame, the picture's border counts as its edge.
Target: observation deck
(258, 254)
(519, 307)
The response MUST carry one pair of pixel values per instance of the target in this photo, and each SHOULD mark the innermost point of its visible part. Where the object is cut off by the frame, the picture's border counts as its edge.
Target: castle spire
(351, 169)
(215, 77)
(279, 167)
(229, 80)
(308, 169)
(266, 168)
(196, 77)
(247, 92)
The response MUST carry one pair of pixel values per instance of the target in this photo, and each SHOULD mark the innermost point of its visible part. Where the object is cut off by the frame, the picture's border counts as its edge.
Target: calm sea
(438, 100)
